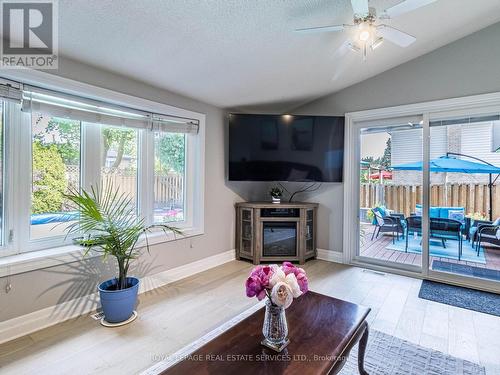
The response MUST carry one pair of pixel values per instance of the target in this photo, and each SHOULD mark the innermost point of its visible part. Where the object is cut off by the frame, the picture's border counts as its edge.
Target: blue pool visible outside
(160, 215)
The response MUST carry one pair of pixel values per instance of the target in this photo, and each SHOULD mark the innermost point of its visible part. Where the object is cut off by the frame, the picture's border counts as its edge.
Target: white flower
(281, 294)
(290, 280)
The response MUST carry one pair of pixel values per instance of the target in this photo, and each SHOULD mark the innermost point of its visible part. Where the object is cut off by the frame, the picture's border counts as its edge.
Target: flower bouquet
(280, 284)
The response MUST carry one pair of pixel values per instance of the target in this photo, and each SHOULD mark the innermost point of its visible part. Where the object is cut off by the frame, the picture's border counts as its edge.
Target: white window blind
(390, 124)
(174, 124)
(10, 91)
(57, 104)
(81, 109)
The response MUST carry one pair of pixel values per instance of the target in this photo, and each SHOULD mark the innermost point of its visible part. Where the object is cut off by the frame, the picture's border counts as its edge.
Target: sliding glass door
(390, 199)
(464, 194)
(423, 191)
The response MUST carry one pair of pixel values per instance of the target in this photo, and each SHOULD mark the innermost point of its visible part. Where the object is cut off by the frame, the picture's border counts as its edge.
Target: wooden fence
(168, 189)
(403, 198)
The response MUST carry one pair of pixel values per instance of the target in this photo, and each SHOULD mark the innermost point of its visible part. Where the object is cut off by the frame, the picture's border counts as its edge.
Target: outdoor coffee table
(322, 331)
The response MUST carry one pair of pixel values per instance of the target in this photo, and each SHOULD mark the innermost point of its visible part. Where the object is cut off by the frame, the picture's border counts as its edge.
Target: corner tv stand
(276, 232)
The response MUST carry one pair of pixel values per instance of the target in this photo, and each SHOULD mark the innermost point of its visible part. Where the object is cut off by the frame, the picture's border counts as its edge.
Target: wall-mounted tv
(286, 148)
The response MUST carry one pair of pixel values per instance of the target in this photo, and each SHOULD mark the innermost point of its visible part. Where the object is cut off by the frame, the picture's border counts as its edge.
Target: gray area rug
(458, 296)
(389, 355)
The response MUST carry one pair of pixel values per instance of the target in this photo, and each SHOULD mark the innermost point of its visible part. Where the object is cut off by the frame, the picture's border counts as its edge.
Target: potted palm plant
(109, 225)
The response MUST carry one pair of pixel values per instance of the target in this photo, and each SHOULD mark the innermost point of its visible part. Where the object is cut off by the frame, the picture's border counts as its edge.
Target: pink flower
(254, 288)
(258, 281)
(299, 273)
(302, 281)
(264, 273)
(288, 267)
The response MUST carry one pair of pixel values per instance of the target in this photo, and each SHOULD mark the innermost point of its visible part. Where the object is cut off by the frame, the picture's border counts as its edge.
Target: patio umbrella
(451, 164)
(386, 175)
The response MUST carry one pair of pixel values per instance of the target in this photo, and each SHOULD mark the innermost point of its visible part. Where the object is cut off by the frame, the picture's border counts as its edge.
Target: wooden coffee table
(322, 331)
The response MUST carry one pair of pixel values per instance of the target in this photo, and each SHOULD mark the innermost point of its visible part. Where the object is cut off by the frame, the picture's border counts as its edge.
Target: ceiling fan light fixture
(364, 35)
(377, 43)
(365, 32)
(353, 47)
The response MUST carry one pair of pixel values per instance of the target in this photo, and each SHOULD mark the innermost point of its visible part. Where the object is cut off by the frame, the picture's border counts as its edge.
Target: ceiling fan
(368, 32)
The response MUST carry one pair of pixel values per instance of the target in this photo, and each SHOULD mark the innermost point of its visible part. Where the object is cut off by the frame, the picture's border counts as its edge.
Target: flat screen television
(286, 148)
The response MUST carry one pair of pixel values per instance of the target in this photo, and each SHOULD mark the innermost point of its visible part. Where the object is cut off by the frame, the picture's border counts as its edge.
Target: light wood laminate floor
(175, 315)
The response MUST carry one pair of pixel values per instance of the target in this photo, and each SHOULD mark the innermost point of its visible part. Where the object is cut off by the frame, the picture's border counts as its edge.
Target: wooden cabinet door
(310, 232)
(246, 231)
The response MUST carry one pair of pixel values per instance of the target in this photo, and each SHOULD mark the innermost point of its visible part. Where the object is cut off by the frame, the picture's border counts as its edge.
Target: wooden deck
(377, 249)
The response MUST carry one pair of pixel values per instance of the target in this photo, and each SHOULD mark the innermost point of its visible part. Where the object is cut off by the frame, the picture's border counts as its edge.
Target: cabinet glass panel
(246, 246)
(309, 230)
(246, 229)
(246, 214)
(309, 214)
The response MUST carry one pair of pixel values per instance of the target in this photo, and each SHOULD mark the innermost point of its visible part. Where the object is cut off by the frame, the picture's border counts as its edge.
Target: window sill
(40, 259)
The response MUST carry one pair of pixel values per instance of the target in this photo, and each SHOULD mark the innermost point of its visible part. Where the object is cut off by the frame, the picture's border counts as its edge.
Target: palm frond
(109, 221)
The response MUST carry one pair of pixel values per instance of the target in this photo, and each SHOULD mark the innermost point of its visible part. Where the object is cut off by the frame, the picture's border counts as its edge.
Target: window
(77, 143)
(55, 152)
(2, 169)
(169, 176)
(119, 160)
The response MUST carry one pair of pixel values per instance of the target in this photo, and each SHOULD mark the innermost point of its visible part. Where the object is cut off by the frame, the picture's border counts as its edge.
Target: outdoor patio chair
(488, 233)
(387, 224)
(476, 224)
(440, 228)
(445, 229)
(413, 225)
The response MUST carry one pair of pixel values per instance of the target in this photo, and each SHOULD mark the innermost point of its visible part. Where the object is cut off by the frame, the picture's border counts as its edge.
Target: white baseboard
(330, 255)
(37, 320)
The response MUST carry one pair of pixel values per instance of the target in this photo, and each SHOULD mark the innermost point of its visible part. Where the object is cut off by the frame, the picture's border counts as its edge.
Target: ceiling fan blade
(321, 29)
(338, 55)
(395, 36)
(406, 6)
(360, 7)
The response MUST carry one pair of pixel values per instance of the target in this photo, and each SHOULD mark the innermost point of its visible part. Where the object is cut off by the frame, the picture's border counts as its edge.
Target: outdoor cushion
(382, 210)
(444, 212)
(434, 211)
(458, 215)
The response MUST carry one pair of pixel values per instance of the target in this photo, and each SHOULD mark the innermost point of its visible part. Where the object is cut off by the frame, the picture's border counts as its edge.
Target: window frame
(18, 184)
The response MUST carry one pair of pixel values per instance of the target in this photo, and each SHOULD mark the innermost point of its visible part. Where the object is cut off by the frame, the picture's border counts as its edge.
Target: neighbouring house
(465, 136)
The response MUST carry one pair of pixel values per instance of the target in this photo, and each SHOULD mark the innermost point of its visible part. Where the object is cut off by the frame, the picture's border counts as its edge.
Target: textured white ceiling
(244, 53)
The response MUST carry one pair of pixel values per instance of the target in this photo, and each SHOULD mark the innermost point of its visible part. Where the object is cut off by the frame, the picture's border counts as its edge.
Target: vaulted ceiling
(237, 53)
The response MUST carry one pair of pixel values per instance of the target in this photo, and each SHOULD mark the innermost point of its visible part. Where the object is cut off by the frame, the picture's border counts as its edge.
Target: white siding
(407, 145)
(439, 141)
(477, 140)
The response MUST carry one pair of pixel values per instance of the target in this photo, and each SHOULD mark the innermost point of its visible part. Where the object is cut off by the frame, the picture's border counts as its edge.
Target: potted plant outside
(110, 226)
(276, 194)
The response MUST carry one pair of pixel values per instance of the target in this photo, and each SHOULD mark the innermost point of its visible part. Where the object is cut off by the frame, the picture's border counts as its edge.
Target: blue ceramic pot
(118, 305)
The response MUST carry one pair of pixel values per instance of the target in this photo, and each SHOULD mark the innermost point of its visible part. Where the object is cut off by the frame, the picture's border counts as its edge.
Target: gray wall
(42, 288)
(468, 66)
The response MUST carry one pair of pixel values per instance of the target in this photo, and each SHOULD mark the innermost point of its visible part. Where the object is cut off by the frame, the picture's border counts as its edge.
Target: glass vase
(275, 328)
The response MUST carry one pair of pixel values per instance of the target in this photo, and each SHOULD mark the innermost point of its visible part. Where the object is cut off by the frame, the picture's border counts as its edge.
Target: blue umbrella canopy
(449, 164)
